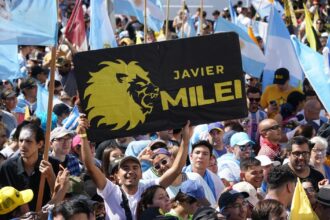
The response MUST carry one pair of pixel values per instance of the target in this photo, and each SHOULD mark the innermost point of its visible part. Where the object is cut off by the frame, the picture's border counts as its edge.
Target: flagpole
(48, 124)
(201, 18)
(145, 21)
(167, 18)
(183, 20)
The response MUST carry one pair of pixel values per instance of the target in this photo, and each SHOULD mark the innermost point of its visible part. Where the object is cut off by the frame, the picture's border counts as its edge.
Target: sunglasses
(251, 79)
(245, 147)
(254, 99)
(274, 128)
(162, 162)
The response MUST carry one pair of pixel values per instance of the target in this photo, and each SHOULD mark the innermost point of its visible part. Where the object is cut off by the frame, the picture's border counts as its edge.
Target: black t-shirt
(314, 176)
(12, 173)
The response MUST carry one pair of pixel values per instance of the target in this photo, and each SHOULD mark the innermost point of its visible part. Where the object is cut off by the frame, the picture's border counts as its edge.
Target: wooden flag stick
(48, 126)
(183, 19)
(167, 18)
(145, 21)
(201, 18)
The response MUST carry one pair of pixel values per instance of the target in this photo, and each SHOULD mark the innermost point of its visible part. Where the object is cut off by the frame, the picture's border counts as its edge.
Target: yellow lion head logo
(121, 94)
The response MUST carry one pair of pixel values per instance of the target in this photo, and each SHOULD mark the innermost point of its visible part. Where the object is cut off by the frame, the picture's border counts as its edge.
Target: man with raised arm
(121, 201)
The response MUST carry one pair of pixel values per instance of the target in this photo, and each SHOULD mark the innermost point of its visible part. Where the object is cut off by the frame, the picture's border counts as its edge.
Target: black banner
(152, 87)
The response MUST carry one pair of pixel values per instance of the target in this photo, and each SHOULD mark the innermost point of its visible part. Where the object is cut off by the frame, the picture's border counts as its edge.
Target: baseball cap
(10, 198)
(215, 125)
(227, 136)
(265, 161)
(323, 196)
(28, 83)
(195, 190)
(114, 165)
(59, 132)
(249, 189)
(127, 158)
(7, 93)
(230, 197)
(206, 213)
(281, 75)
(240, 138)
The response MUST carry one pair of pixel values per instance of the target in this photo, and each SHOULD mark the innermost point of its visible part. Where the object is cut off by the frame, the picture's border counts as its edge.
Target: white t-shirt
(113, 198)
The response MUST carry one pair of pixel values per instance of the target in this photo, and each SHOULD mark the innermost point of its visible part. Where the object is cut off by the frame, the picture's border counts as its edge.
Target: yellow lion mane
(109, 95)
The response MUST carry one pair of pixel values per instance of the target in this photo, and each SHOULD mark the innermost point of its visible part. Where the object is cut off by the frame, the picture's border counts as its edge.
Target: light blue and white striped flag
(155, 13)
(233, 15)
(280, 52)
(101, 32)
(313, 66)
(263, 7)
(28, 22)
(71, 122)
(9, 66)
(252, 57)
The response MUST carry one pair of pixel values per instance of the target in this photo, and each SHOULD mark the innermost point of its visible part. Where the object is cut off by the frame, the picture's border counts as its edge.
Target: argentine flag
(313, 66)
(101, 32)
(252, 57)
(280, 52)
(155, 13)
(71, 122)
(263, 7)
(28, 22)
(9, 66)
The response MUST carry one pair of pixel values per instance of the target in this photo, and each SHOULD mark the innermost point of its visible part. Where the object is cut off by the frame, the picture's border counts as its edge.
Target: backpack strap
(124, 205)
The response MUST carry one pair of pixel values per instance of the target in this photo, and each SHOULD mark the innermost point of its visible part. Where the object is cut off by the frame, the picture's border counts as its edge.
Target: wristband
(83, 135)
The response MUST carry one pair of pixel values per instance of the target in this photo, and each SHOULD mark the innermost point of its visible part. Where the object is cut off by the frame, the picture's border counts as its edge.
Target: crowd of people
(238, 169)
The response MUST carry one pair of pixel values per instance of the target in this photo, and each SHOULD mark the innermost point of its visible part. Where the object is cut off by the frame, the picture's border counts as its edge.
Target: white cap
(324, 34)
(265, 161)
(247, 187)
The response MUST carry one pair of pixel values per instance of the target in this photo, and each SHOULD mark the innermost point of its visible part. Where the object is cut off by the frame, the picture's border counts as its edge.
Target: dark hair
(106, 159)
(202, 143)
(245, 164)
(71, 207)
(253, 90)
(299, 140)
(37, 130)
(294, 98)
(279, 176)
(182, 197)
(304, 130)
(147, 199)
(234, 125)
(267, 209)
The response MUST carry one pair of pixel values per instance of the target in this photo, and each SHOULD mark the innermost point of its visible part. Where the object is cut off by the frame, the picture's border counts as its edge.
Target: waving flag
(71, 122)
(233, 15)
(252, 57)
(188, 29)
(311, 35)
(75, 29)
(301, 207)
(155, 13)
(313, 65)
(28, 22)
(101, 32)
(280, 52)
(263, 7)
(42, 101)
(9, 66)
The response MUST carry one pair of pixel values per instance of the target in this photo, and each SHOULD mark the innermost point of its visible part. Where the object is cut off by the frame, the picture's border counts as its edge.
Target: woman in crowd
(318, 154)
(310, 191)
(154, 201)
(110, 154)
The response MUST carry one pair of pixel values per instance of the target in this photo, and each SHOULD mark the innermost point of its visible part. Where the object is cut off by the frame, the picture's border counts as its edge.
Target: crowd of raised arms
(249, 168)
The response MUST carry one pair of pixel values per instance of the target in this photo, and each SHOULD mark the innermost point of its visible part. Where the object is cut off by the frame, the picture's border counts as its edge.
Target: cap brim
(219, 129)
(27, 195)
(125, 159)
(245, 142)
